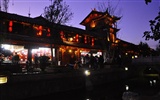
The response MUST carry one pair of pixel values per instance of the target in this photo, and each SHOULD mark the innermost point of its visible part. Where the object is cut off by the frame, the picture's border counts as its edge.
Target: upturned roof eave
(92, 12)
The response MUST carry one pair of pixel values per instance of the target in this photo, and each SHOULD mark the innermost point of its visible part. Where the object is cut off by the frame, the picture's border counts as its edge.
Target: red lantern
(48, 32)
(39, 31)
(10, 26)
(85, 39)
(10, 29)
(77, 37)
(10, 23)
(62, 34)
(40, 28)
(92, 41)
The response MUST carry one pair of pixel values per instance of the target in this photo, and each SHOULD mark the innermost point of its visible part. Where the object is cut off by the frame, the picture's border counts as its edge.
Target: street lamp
(87, 72)
(3, 79)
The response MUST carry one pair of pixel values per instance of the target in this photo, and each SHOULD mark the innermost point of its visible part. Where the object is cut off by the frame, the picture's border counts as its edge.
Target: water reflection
(142, 89)
(130, 96)
(133, 89)
(127, 87)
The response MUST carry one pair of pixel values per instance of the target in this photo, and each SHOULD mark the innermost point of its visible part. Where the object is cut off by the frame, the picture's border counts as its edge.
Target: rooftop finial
(94, 9)
(12, 2)
(29, 12)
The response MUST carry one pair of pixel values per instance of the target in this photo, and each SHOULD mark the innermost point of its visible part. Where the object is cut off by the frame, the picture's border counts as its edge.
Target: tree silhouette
(108, 6)
(58, 12)
(4, 5)
(144, 49)
(154, 33)
(158, 50)
(148, 1)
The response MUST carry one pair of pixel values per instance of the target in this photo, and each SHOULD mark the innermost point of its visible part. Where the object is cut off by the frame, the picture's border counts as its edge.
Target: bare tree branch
(58, 12)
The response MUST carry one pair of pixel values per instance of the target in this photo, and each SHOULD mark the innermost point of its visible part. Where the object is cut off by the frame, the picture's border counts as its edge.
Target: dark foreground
(132, 89)
(141, 83)
(34, 84)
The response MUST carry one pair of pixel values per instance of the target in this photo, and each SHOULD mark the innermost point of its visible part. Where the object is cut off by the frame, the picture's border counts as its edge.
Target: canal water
(133, 89)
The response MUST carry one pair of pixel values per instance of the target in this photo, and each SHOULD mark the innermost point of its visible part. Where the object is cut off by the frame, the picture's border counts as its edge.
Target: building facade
(29, 36)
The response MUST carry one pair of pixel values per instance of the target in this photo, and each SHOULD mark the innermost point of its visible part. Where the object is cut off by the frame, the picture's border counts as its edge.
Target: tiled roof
(38, 20)
(76, 30)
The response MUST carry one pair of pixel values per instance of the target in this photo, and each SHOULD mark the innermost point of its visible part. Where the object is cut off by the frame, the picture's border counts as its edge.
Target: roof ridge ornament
(29, 14)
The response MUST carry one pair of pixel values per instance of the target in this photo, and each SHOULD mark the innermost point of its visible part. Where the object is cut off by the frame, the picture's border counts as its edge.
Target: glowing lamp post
(3, 80)
(87, 72)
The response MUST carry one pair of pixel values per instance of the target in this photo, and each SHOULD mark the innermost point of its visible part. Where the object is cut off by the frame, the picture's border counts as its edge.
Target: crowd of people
(90, 61)
(94, 61)
(39, 61)
(14, 58)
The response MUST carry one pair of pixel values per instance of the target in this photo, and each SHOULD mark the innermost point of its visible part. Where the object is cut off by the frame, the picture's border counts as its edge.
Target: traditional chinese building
(29, 36)
(105, 27)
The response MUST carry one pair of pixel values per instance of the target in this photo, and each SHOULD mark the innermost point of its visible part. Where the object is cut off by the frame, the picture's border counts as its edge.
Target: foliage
(58, 12)
(144, 49)
(157, 50)
(154, 33)
(108, 6)
(4, 5)
(148, 1)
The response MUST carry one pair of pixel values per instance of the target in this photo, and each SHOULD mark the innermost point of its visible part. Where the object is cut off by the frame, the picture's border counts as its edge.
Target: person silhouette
(15, 59)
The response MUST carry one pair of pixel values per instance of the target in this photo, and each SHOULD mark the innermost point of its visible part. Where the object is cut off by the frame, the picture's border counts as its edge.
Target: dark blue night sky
(136, 14)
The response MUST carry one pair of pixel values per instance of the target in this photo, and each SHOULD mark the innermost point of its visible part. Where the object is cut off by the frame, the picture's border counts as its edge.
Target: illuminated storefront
(79, 53)
(23, 52)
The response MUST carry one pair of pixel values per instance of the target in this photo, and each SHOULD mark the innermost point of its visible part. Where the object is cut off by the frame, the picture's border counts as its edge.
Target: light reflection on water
(133, 89)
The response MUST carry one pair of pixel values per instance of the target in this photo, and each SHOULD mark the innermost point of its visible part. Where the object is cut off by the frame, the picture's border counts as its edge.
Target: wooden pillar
(51, 54)
(56, 54)
(29, 57)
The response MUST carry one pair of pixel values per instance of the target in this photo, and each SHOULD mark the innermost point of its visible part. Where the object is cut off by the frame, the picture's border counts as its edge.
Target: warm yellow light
(116, 41)
(70, 51)
(70, 39)
(60, 49)
(93, 24)
(108, 39)
(3, 79)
